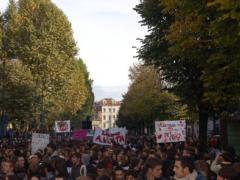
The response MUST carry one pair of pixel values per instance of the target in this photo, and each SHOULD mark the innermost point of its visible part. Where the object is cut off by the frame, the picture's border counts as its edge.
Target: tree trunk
(203, 122)
(223, 131)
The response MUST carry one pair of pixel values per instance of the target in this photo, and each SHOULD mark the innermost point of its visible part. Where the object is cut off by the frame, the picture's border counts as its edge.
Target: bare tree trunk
(203, 122)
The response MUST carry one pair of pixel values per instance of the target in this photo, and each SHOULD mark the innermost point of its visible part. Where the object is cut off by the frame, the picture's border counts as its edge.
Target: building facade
(105, 113)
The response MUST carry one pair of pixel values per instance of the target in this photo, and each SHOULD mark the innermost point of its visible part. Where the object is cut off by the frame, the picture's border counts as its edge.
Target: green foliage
(195, 45)
(176, 45)
(86, 110)
(221, 72)
(19, 91)
(40, 36)
(145, 100)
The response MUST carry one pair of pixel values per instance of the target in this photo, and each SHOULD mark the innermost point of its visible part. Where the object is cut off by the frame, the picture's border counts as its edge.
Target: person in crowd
(152, 170)
(131, 175)
(60, 168)
(184, 169)
(7, 167)
(221, 160)
(103, 177)
(227, 173)
(34, 178)
(202, 169)
(100, 169)
(141, 158)
(20, 168)
(119, 173)
(76, 168)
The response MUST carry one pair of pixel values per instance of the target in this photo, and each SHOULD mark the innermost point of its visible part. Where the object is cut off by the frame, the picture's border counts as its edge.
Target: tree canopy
(196, 54)
(146, 101)
(40, 37)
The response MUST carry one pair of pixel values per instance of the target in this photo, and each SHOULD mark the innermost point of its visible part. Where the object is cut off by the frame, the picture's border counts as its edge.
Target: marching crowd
(140, 159)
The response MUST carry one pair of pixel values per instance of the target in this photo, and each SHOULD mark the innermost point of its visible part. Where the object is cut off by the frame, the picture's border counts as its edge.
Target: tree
(7, 32)
(221, 71)
(173, 46)
(48, 48)
(19, 92)
(145, 100)
(86, 110)
(39, 35)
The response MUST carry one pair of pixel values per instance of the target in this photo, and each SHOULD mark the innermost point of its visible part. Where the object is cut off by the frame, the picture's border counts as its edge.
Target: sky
(105, 32)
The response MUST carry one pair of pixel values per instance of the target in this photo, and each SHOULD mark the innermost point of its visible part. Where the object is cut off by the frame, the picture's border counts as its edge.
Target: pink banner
(80, 134)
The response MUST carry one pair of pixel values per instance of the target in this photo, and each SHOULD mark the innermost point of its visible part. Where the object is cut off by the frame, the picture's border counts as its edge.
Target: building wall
(109, 116)
(105, 113)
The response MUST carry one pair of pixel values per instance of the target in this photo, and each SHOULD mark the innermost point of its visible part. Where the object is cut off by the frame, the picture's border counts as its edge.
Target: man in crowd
(184, 169)
(7, 167)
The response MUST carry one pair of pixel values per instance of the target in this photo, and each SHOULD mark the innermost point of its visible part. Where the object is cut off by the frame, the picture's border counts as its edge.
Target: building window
(104, 125)
(113, 116)
(110, 110)
(104, 117)
(113, 109)
(104, 110)
(110, 118)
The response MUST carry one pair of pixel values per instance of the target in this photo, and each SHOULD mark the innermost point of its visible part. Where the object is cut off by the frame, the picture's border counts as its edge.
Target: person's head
(106, 153)
(236, 166)
(153, 168)
(188, 152)
(110, 152)
(7, 166)
(119, 174)
(100, 168)
(76, 158)
(34, 159)
(83, 178)
(34, 178)
(119, 157)
(20, 161)
(60, 167)
(51, 148)
(103, 177)
(130, 175)
(183, 167)
(227, 173)
(151, 154)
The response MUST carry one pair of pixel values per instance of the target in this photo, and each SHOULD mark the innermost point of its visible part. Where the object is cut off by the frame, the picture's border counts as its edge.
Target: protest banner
(80, 134)
(39, 141)
(62, 126)
(107, 137)
(170, 131)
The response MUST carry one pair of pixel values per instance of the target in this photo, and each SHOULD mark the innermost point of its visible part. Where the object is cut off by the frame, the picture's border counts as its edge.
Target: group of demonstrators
(139, 158)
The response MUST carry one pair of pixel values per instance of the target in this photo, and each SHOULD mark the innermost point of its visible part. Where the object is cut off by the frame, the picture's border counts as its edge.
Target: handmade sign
(170, 131)
(80, 134)
(39, 141)
(62, 126)
(108, 137)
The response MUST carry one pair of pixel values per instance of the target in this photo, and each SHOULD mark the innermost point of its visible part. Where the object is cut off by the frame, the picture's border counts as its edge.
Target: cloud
(114, 92)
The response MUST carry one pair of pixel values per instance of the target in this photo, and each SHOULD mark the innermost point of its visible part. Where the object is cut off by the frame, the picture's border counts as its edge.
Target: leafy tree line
(195, 47)
(147, 101)
(41, 78)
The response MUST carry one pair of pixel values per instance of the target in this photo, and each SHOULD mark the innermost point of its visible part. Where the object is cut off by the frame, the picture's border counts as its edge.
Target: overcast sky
(105, 31)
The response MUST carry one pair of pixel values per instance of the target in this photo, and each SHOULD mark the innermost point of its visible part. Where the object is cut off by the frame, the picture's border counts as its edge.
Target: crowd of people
(140, 159)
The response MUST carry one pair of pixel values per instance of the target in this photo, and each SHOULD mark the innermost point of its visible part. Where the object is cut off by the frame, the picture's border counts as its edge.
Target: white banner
(107, 137)
(62, 126)
(170, 131)
(39, 141)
